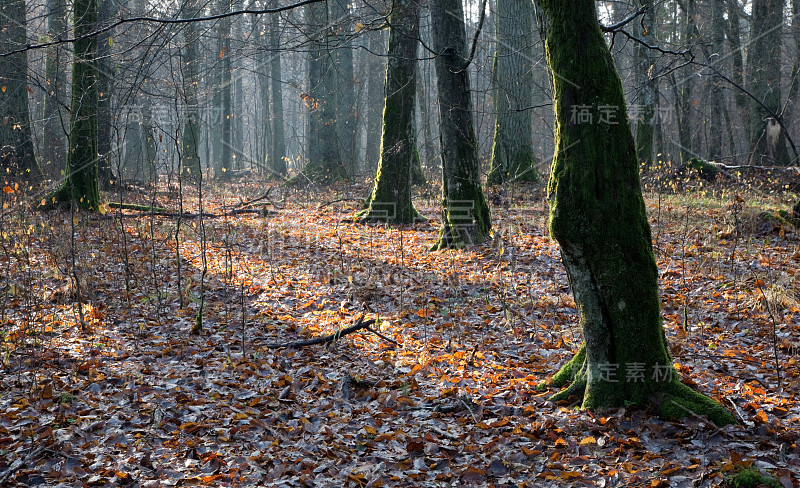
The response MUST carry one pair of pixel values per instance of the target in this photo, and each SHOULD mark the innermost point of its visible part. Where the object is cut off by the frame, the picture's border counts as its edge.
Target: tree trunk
(375, 97)
(512, 90)
(55, 101)
(105, 88)
(346, 120)
(734, 35)
(684, 88)
(647, 97)
(598, 217)
(465, 214)
(190, 153)
(324, 160)
(80, 185)
(794, 84)
(391, 194)
(278, 155)
(16, 144)
(765, 136)
(718, 115)
(225, 161)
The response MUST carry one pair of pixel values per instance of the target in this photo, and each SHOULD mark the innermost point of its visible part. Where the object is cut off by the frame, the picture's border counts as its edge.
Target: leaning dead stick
(360, 324)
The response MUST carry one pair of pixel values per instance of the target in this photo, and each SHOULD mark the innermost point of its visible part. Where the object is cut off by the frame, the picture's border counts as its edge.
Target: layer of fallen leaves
(103, 386)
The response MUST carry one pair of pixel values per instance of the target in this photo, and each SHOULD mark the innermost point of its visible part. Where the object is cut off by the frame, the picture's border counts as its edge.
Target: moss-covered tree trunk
(324, 160)
(15, 120)
(765, 136)
(513, 158)
(80, 185)
(465, 214)
(391, 193)
(598, 217)
(190, 141)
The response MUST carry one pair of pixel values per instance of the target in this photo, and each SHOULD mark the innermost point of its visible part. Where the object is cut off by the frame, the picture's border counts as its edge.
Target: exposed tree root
(672, 398)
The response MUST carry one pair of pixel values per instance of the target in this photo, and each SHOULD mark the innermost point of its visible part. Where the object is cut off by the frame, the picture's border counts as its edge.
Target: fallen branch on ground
(360, 324)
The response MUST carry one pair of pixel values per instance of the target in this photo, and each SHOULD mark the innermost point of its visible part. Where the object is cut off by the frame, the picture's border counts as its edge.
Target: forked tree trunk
(391, 194)
(513, 158)
(598, 217)
(465, 214)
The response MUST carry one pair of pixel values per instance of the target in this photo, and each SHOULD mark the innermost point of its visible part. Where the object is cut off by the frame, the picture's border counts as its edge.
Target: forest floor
(102, 384)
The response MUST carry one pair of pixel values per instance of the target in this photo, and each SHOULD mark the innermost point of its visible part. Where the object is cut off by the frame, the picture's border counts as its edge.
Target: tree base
(64, 197)
(672, 399)
(377, 215)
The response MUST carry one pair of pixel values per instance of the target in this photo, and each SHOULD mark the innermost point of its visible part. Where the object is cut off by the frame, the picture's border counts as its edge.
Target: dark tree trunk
(766, 138)
(391, 194)
(190, 151)
(55, 103)
(225, 161)
(346, 120)
(16, 145)
(80, 186)
(512, 91)
(598, 217)
(324, 159)
(648, 95)
(105, 87)
(465, 214)
(278, 155)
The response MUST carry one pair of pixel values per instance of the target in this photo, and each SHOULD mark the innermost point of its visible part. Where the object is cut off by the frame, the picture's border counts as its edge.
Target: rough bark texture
(391, 194)
(80, 185)
(513, 158)
(278, 155)
(767, 141)
(465, 214)
(324, 161)
(598, 217)
(16, 145)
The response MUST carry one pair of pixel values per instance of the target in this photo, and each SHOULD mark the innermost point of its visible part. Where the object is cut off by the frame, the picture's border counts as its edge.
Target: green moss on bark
(390, 199)
(598, 217)
(80, 186)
